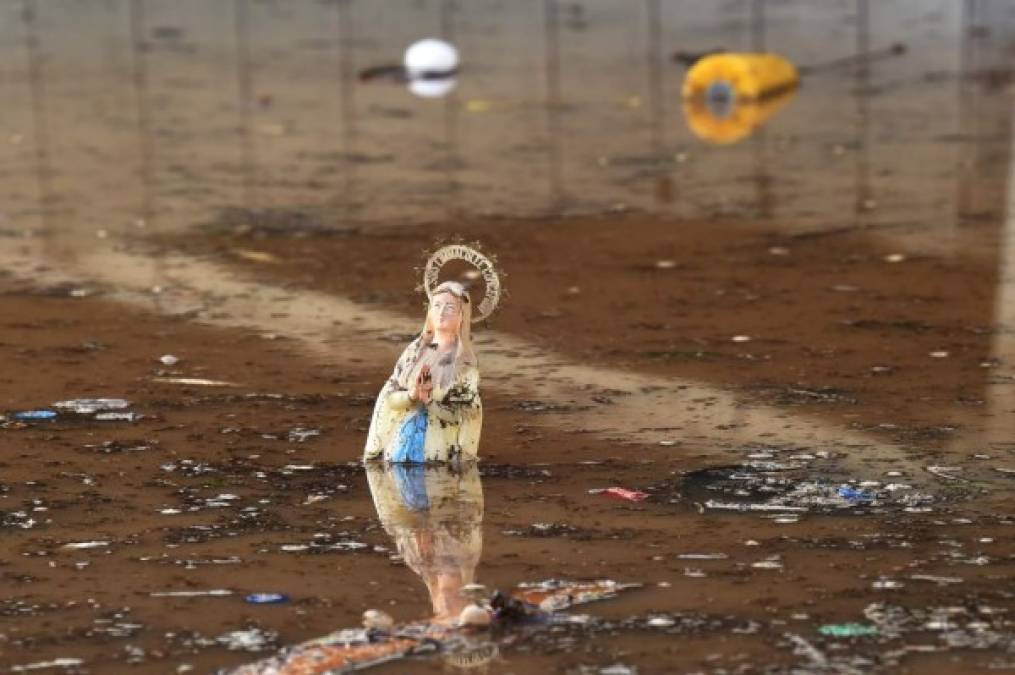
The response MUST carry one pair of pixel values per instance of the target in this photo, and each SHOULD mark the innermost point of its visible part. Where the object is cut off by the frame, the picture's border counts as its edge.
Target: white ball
(430, 56)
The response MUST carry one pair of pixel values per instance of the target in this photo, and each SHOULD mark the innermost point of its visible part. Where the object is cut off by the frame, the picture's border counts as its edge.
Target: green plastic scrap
(842, 630)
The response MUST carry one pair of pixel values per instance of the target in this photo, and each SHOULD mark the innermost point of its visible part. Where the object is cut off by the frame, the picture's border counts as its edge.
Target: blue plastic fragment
(854, 495)
(267, 598)
(29, 415)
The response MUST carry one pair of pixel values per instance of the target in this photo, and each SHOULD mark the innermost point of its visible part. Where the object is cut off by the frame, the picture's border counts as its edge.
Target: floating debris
(42, 665)
(299, 434)
(940, 581)
(625, 494)
(86, 544)
(266, 598)
(118, 416)
(887, 584)
(88, 406)
(250, 640)
(843, 630)
(194, 381)
(215, 592)
(34, 415)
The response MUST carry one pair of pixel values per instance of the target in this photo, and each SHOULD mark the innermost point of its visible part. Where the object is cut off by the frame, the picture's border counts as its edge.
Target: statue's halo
(470, 255)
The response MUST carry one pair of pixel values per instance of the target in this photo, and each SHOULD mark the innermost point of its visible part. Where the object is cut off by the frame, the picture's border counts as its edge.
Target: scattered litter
(34, 415)
(767, 565)
(842, 630)
(194, 381)
(266, 598)
(252, 640)
(940, 581)
(737, 506)
(86, 544)
(895, 258)
(940, 354)
(88, 406)
(41, 665)
(702, 556)
(741, 338)
(666, 264)
(618, 669)
(118, 417)
(299, 434)
(854, 495)
(886, 584)
(261, 256)
(168, 360)
(215, 592)
(945, 472)
(625, 494)
(783, 491)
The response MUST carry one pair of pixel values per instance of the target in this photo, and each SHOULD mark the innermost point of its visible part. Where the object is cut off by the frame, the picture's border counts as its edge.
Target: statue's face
(446, 312)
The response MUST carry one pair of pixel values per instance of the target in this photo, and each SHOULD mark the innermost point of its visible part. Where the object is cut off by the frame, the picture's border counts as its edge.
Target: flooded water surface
(750, 389)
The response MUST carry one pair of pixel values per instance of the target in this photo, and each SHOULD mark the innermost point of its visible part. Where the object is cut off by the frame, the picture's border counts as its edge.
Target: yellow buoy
(728, 96)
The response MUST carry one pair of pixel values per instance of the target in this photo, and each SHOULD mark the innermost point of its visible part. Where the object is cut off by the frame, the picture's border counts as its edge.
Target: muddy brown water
(211, 181)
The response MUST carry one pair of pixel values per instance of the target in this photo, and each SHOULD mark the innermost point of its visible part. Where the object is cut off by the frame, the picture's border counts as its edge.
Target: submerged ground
(826, 304)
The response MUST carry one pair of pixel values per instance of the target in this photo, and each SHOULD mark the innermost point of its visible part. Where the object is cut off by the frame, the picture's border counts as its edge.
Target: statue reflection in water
(434, 514)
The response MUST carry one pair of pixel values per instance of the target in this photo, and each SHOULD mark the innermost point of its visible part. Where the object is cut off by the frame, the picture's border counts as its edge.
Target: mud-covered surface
(796, 351)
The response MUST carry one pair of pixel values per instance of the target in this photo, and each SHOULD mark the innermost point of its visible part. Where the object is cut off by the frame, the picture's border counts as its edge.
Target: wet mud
(794, 353)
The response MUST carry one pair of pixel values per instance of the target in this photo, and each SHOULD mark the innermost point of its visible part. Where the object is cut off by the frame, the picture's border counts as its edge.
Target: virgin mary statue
(429, 410)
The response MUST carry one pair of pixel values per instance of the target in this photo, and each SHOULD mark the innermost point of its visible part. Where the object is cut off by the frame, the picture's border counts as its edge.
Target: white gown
(454, 415)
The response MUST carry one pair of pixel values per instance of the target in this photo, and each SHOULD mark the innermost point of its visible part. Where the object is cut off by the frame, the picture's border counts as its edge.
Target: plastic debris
(34, 415)
(625, 494)
(43, 665)
(215, 592)
(841, 630)
(618, 669)
(886, 584)
(940, 581)
(299, 434)
(118, 416)
(252, 640)
(945, 472)
(854, 495)
(194, 381)
(88, 406)
(168, 360)
(267, 598)
(86, 544)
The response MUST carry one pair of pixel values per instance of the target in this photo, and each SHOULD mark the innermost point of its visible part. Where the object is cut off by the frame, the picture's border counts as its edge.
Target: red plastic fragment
(625, 494)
